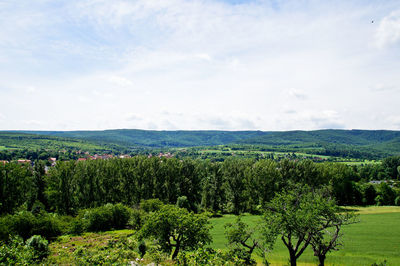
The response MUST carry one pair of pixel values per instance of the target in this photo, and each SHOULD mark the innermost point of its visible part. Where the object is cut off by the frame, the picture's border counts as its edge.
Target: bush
(183, 202)
(98, 219)
(22, 224)
(47, 225)
(25, 224)
(40, 247)
(106, 217)
(203, 256)
(151, 205)
(77, 226)
(397, 201)
(138, 217)
(15, 252)
(121, 215)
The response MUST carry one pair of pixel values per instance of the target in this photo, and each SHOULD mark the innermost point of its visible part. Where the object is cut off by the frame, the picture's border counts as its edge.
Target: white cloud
(298, 94)
(121, 81)
(199, 64)
(388, 32)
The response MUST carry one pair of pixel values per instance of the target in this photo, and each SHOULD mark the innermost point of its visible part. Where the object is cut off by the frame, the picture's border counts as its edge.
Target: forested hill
(350, 137)
(353, 143)
(378, 143)
(158, 139)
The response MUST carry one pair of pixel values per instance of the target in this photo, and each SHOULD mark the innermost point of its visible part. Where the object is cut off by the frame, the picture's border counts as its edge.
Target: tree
(327, 237)
(178, 229)
(242, 240)
(298, 215)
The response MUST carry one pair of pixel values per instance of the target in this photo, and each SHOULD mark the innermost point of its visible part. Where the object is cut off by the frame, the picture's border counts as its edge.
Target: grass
(375, 238)
(63, 250)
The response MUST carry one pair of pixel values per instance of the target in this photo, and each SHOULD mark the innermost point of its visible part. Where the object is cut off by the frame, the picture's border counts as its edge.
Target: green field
(375, 238)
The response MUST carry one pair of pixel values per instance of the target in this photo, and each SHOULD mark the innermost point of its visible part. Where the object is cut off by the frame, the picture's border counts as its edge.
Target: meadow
(374, 239)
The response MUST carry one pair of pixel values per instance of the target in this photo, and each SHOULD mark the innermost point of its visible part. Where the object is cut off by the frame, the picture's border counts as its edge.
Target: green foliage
(151, 205)
(137, 219)
(142, 248)
(176, 228)
(298, 215)
(242, 240)
(386, 195)
(25, 224)
(16, 251)
(40, 247)
(203, 256)
(16, 183)
(182, 202)
(106, 217)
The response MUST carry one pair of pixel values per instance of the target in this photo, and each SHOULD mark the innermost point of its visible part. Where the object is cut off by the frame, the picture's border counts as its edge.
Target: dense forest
(232, 186)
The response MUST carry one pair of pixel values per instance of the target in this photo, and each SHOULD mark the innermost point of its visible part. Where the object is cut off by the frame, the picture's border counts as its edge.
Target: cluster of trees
(232, 186)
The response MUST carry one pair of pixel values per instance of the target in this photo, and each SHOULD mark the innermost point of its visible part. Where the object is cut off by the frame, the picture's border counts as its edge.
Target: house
(53, 161)
(24, 161)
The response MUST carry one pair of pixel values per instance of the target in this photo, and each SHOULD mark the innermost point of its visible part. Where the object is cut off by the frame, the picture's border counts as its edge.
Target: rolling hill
(344, 143)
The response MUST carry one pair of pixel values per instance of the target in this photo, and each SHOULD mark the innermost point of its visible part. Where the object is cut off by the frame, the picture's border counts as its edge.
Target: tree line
(232, 186)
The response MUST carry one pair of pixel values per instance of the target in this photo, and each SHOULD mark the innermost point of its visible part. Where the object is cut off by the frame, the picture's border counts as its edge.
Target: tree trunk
(321, 260)
(176, 251)
(293, 259)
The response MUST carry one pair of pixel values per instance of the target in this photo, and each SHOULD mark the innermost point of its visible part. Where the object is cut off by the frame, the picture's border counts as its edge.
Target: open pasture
(374, 239)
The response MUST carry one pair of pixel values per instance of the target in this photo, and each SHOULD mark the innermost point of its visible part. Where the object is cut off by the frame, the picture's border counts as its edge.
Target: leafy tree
(177, 229)
(15, 186)
(234, 172)
(296, 214)
(327, 237)
(242, 240)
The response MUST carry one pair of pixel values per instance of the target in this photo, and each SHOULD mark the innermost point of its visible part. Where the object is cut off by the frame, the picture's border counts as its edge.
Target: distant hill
(354, 143)
(18, 140)
(156, 139)
(344, 143)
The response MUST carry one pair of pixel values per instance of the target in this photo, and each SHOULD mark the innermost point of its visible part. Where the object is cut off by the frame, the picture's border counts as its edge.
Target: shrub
(151, 205)
(137, 219)
(15, 252)
(77, 226)
(22, 223)
(183, 202)
(47, 225)
(121, 215)
(98, 219)
(40, 247)
(105, 218)
(397, 201)
(203, 256)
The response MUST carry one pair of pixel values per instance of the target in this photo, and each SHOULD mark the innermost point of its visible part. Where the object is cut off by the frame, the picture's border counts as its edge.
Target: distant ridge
(374, 143)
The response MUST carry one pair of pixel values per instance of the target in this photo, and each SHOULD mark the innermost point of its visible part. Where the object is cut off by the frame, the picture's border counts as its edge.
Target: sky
(199, 65)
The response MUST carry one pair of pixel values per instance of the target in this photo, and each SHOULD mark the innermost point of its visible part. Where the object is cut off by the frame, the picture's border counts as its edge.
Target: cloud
(121, 81)
(133, 117)
(383, 87)
(210, 64)
(298, 94)
(388, 32)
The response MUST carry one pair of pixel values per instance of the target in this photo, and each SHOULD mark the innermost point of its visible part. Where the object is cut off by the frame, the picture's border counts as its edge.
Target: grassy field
(375, 238)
